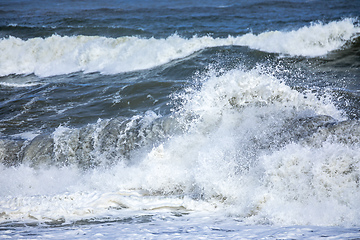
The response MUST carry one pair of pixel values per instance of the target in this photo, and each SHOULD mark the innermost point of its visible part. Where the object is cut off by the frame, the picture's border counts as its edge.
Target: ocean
(180, 119)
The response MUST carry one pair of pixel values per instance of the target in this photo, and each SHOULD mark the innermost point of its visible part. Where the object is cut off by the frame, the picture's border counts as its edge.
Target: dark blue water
(128, 107)
(163, 18)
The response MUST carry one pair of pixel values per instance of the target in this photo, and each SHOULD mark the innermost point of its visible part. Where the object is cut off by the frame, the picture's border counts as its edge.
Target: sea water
(158, 120)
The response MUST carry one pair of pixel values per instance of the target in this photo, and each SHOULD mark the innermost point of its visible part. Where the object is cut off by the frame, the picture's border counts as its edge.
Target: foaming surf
(242, 143)
(57, 55)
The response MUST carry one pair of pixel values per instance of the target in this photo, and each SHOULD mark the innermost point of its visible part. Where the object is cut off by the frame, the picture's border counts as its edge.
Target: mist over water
(223, 128)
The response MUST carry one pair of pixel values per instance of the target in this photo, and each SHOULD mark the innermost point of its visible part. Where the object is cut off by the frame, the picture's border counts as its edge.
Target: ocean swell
(66, 54)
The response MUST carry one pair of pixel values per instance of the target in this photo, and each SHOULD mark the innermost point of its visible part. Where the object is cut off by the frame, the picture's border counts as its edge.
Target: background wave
(63, 55)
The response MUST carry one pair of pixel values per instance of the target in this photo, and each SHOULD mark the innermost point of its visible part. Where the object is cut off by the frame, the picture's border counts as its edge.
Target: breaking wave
(242, 143)
(66, 54)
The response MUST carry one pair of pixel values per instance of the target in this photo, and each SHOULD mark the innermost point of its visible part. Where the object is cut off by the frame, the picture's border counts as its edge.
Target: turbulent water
(167, 119)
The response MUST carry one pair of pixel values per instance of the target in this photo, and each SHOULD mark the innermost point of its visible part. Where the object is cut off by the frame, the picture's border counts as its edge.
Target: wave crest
(57, 55)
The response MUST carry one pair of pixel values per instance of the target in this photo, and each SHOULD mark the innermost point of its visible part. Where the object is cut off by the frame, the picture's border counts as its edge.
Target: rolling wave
(57, 55)
(244, 144)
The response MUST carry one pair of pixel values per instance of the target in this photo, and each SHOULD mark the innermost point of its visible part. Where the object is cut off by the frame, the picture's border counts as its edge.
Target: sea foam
(238, 152)
(66, 54)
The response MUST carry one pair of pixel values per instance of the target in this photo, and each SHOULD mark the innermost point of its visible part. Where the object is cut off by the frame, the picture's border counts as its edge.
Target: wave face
(241, 143)
(58, 55)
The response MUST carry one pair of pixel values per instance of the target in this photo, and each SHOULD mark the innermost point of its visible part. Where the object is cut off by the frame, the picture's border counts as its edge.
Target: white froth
(18, 85)
(26, 135)
(230, 159)
(312, 185)
(62, 55)
(311, 41)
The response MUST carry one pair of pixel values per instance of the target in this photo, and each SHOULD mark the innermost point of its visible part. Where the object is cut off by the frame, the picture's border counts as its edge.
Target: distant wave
(57, 55)
(311, 41)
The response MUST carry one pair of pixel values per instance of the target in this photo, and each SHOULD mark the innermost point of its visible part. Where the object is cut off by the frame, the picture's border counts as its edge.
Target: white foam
(231, 159)
(18, 85)
(315, 40)
(62, 55)
(26, 135)
(312, 185)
